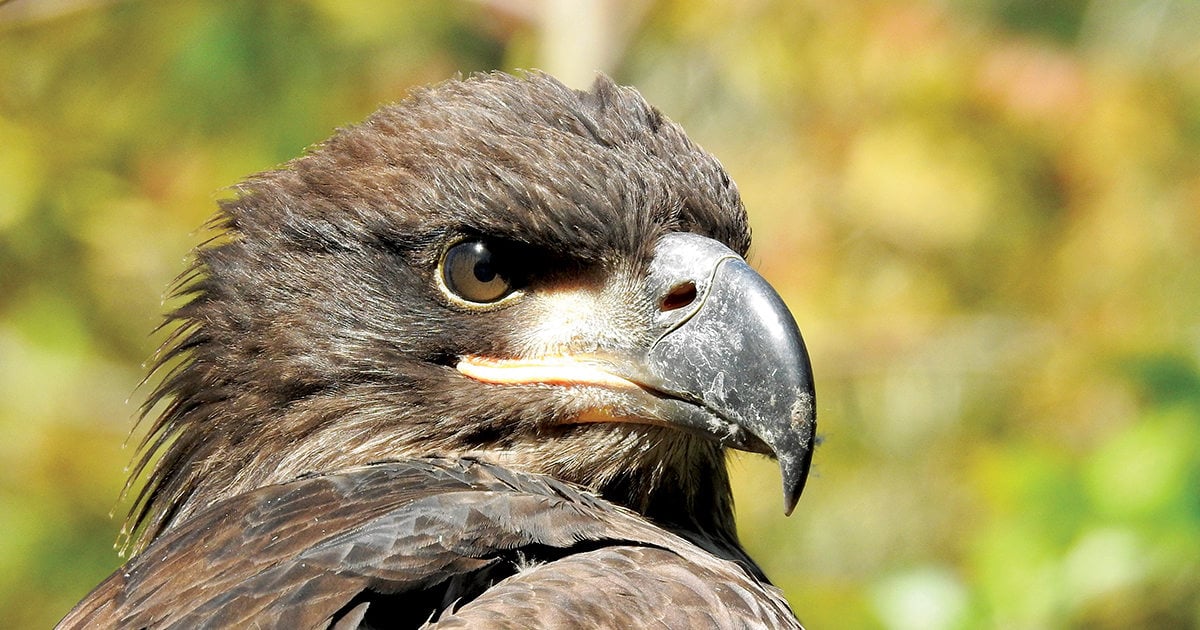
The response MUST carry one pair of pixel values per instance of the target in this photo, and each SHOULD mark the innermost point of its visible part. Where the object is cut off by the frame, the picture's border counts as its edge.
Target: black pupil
(484, 271)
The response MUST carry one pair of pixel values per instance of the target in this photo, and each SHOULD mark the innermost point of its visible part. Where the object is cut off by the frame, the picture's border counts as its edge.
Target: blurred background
(985, 216)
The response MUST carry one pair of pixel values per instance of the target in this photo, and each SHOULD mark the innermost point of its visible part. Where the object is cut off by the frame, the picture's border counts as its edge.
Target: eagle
(474, 362)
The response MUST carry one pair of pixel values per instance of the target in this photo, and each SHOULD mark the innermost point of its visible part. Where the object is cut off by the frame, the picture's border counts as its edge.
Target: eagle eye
(472, 272)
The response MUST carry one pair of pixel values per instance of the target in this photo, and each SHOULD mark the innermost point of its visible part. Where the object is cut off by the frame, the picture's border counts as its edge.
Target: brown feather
(312, 342)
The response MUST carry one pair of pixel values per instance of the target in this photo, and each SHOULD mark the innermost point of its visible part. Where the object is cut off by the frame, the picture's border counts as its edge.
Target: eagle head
(500, 268)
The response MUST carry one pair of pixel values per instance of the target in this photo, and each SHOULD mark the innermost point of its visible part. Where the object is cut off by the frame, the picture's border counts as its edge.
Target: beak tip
(792, 487)
(794, 466)
(790, 499)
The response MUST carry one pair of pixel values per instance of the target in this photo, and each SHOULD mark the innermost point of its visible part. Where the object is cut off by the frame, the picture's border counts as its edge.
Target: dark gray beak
(728, 361)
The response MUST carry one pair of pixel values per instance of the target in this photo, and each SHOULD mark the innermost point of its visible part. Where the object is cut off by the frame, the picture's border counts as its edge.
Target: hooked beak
(726, 360)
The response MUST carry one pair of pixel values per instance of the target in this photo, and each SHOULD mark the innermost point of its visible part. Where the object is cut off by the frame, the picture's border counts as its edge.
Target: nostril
(680, 296)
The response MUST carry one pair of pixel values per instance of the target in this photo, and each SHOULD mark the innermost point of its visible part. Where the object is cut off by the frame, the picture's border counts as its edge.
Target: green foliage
(984, 216)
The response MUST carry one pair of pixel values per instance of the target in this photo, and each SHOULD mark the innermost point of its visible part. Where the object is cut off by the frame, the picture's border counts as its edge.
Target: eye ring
(473, 275)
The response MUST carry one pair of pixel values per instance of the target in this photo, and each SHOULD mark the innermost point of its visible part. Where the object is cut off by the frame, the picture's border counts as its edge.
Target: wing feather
(417, 540)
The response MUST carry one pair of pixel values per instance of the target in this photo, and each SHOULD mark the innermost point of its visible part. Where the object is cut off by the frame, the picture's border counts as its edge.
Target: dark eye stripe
(472, 273)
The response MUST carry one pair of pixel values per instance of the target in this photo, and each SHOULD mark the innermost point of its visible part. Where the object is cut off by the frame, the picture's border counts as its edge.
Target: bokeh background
(985, 216)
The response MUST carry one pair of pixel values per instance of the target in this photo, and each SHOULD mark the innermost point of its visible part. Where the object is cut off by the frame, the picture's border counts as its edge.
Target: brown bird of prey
(475, 362)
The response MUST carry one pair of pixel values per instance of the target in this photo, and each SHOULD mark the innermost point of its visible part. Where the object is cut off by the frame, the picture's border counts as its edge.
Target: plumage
(474, 362)
(443, 530)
